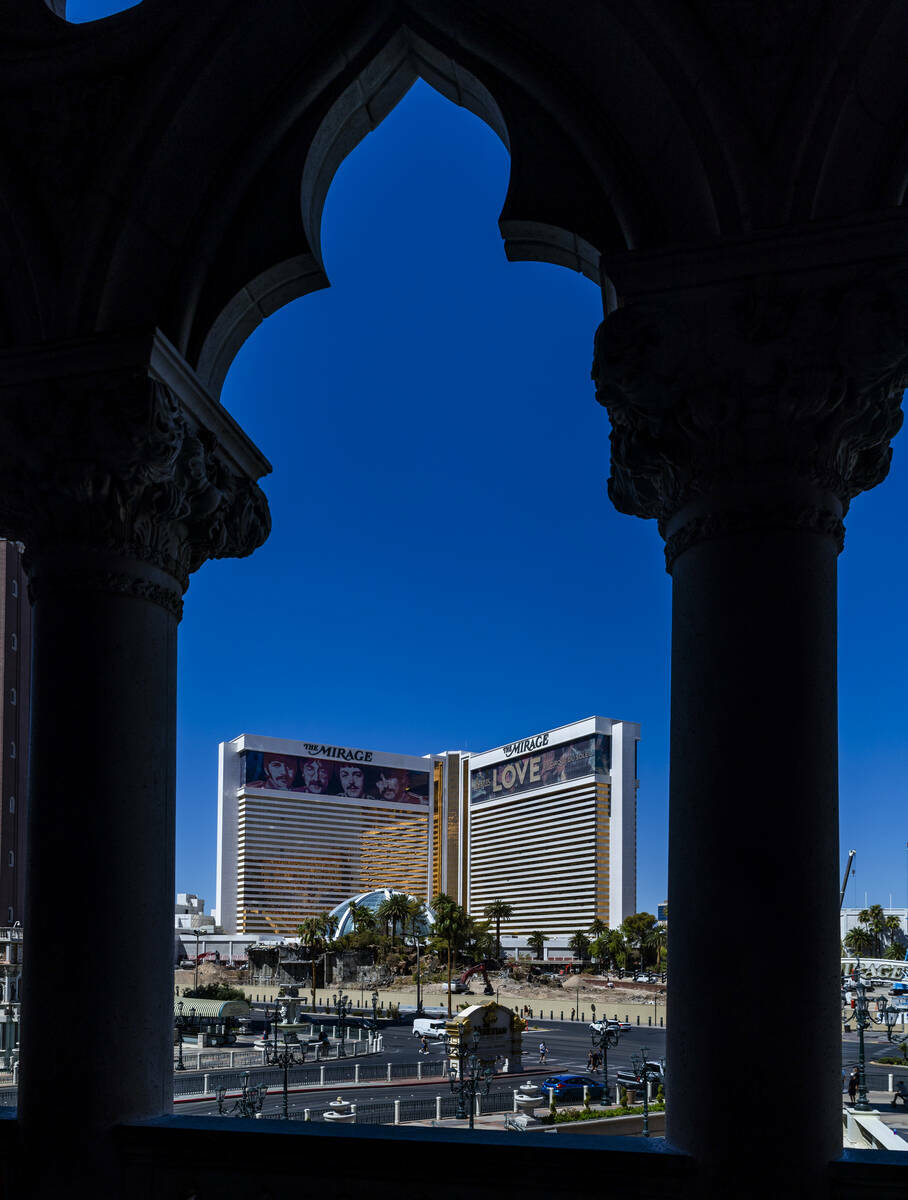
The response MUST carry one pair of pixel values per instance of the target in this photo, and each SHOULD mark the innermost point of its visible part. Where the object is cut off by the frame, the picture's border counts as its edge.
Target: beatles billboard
(591, 755)
(349, 773)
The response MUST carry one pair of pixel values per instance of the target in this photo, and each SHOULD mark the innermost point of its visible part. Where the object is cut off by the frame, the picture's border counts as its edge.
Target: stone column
(745, 416)
(121, 476)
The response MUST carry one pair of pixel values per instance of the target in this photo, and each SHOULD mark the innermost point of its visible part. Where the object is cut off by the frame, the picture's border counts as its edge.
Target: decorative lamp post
(602, 1038)
(864, 1017)
(181, 1023)
(343, 1005)
(468, 1076)
(644, 1073)
(418, 982)
(285, 1059)
(248, 1104)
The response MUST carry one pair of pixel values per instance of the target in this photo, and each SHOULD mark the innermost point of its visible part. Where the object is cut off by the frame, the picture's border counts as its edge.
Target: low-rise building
(10, 983)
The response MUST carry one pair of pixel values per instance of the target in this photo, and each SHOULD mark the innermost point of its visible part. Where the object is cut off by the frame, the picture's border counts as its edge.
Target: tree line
(875, 935)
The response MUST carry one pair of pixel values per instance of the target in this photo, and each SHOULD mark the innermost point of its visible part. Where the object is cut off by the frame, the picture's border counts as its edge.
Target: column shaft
(96, 1033)
(753, 1044)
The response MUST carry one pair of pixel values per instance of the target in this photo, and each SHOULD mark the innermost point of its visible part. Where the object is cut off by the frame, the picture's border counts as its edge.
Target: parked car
(570, 1087)
(626, 1078)
(608, 1023)
(431, 1028)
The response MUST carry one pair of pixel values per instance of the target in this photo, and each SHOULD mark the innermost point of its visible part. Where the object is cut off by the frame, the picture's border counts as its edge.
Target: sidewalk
(894, 1117)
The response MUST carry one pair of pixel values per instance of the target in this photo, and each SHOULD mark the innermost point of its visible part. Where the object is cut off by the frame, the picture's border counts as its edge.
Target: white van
(430, 1027)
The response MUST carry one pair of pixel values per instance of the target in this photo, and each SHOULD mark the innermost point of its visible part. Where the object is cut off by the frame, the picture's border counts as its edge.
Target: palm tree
(310, 936)
(536, 941)
(858, 941)
(482, 938)
(498, 911)
(398, 910)
(580, 944)
(598, 927)
(599, 949)
(358, 914)
(617, 947)
(892, 931)
(416, 916)
(874, 920)
(657, 939)
(328, 923)
(600, 932)
(451, 925)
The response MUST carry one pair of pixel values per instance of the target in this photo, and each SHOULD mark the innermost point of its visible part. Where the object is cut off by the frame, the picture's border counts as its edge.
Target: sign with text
(591, 755)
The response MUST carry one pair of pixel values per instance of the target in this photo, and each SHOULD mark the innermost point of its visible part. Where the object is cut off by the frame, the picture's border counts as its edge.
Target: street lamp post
(602, 1038)
(285, 1059)
(644, 1073)
(181, 1022)
(864, 1018)
(248, 1104)
(468, 1076)
(418, 985)
(342, 1006)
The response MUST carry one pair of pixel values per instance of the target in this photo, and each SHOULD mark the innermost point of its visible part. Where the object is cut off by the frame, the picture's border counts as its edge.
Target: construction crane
(851, 854)
(259, 913)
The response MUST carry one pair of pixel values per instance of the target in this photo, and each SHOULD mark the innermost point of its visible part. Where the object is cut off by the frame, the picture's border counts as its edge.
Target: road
(568, 1043)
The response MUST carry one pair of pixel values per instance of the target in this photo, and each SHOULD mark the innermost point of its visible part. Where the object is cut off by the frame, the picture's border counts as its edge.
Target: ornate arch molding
(358, 110)
(854, 150)
(194, 178)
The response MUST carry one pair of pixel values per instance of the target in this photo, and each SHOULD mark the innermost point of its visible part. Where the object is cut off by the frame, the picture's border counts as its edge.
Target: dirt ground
(579, 992)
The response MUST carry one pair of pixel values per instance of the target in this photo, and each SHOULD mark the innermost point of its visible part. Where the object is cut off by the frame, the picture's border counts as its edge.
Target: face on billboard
(317, 776)
(279, 771)
(352, 779)
(390, 785)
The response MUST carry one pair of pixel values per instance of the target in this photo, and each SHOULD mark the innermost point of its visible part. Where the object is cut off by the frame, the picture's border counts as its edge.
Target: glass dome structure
(372, 900)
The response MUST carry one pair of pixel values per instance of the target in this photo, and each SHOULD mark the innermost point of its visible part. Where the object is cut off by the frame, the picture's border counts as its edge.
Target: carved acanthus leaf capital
(114, 463)
(754, 379)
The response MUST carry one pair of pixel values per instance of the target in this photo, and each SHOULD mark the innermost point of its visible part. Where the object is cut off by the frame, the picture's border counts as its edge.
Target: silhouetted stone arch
(201, 141)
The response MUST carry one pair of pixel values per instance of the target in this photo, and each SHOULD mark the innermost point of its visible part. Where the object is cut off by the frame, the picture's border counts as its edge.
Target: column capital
(767, 400)
(119, 472)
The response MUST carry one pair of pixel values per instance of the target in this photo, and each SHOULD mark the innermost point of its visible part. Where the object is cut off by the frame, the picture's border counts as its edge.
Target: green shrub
(598, 1114)
(214, 991)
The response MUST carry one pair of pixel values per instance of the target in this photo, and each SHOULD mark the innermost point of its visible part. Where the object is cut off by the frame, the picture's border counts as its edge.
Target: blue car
(570, 1087)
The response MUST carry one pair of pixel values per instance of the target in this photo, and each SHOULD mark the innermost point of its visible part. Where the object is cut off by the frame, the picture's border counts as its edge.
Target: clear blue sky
(445, 569)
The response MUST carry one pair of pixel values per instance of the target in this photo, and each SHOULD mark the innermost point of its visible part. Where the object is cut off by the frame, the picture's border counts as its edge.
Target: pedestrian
(853, 1085)
(591, 1061)
(424, 1045)
(543, 1051)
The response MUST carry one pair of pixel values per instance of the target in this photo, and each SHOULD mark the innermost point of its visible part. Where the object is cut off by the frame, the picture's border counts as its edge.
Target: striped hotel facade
(561, 855)
(547, 824)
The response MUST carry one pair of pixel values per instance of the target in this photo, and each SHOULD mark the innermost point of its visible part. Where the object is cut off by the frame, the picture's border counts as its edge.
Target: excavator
(483, 968)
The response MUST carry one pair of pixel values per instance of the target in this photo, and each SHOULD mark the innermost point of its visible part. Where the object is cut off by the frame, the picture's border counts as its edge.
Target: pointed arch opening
(357, 111)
